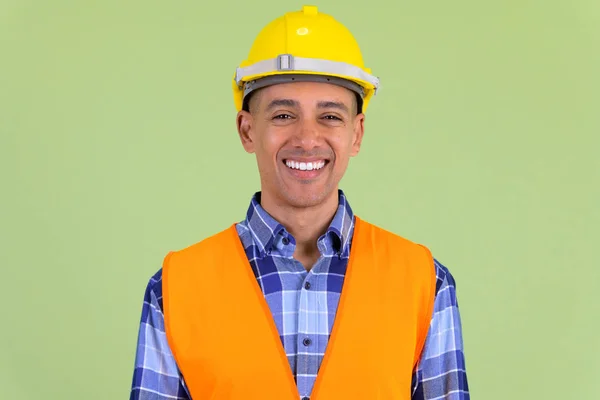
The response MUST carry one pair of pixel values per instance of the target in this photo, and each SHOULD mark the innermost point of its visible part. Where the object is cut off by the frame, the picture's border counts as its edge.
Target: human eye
(330, 117)
(282, 116)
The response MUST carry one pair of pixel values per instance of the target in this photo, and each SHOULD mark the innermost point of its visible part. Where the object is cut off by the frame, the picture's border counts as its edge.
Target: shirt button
(307, 285)
(286, 241)
(306, 342)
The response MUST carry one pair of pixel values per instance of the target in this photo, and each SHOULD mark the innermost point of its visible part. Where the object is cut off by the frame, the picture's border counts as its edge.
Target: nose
(308, 135)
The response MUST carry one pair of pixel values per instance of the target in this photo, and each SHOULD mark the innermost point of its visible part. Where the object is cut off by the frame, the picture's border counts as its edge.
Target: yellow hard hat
(304, 45)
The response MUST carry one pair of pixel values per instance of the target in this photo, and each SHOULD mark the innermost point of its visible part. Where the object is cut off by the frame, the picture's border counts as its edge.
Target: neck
(305, 224)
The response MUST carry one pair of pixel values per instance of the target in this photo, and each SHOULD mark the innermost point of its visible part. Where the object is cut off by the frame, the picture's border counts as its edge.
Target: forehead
(308, 92)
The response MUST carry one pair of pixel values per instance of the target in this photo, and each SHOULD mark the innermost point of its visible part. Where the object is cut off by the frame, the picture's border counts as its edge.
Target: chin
(306, 198)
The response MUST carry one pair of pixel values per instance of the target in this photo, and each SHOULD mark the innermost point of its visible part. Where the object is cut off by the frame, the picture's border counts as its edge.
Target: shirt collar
(268, 232)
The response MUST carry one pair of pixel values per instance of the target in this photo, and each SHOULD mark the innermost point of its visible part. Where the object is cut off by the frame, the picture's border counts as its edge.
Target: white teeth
(302, 166)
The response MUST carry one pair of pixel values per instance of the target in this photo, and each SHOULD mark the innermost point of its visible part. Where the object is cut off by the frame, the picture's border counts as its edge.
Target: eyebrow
(333, 104)
(295, 104)
(282, 102)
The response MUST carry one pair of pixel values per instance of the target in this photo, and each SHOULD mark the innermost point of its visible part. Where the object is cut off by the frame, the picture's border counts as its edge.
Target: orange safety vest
(225, 342)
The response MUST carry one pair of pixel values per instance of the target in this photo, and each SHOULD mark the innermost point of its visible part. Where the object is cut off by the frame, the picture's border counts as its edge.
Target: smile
(305, 166)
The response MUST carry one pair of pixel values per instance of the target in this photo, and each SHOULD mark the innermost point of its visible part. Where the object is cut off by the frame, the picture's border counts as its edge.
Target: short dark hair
(247, 100)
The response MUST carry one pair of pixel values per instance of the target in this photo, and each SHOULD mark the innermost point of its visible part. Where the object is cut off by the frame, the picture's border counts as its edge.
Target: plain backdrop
(118, 144)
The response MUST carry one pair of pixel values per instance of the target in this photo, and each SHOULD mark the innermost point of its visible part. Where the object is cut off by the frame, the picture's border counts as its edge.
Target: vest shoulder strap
(418, 269)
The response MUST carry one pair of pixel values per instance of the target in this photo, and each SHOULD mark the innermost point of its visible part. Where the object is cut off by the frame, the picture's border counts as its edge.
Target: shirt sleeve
(156, 375)
(441, 372)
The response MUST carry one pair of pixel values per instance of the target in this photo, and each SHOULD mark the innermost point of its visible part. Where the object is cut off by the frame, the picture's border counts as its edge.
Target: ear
(245, 122)
(358, 133)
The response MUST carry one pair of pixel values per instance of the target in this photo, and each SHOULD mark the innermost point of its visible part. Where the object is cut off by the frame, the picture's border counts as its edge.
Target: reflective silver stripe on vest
(287, 62)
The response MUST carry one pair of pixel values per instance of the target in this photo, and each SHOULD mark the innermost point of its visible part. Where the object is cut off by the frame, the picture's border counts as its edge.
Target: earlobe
(244, 127)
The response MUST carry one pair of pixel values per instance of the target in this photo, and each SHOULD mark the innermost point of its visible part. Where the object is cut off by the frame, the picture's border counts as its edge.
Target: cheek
(269, 150)
(342, 144)
(268, 147)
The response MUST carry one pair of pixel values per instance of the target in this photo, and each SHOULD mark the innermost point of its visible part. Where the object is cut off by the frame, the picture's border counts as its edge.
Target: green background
(118, 144)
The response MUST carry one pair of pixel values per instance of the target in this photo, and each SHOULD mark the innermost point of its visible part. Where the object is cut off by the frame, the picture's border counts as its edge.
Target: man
(301, 299)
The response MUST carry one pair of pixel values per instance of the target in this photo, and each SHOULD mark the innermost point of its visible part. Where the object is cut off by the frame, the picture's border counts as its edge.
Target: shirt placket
(308, 342)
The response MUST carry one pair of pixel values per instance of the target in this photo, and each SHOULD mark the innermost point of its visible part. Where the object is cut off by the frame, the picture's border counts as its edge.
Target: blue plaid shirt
(303, 304)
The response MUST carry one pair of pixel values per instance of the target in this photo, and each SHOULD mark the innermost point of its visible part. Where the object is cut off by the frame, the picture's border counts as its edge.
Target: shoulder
(154, 286)
(445, 282)
(443, 273)
(384, 237)
(444, 278)
(209, 242)
(153, 294)
(205, 247)
(375, 229)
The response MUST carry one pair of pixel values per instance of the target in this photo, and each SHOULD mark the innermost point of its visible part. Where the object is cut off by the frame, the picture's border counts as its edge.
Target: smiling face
(302, 134)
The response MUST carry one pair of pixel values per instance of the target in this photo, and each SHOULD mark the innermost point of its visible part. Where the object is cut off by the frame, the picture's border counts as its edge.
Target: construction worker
(302, 299)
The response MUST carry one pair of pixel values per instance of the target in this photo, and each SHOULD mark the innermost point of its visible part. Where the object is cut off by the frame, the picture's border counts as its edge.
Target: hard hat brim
(288, 64)
(286, 68)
